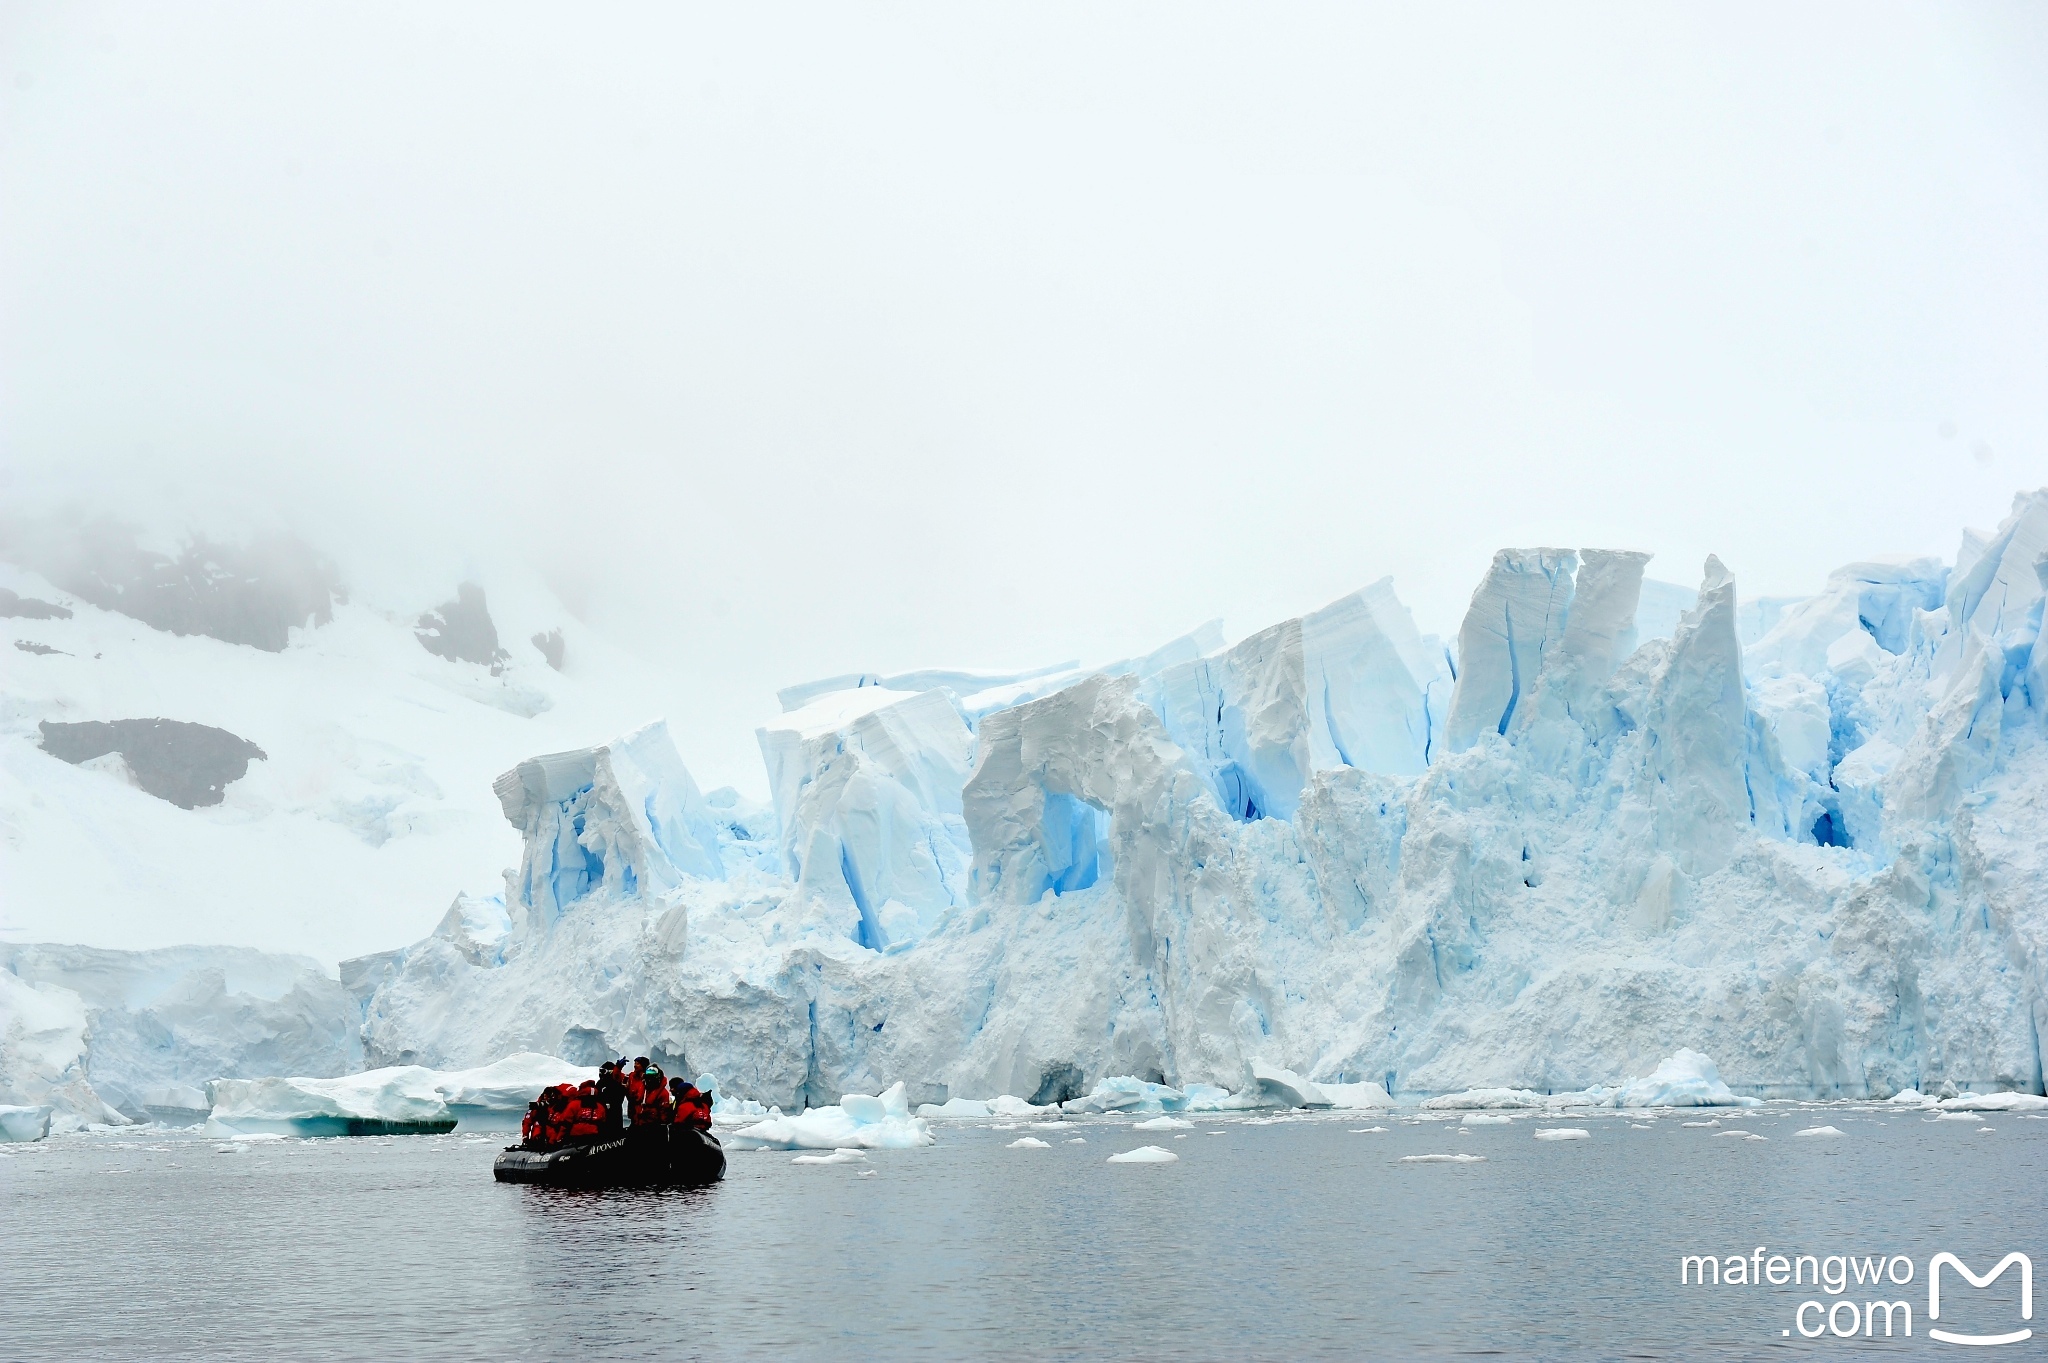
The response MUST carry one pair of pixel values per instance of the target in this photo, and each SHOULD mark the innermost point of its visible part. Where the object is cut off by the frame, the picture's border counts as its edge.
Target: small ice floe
(1028, 1143)
(1564, 1133)
(1641, 1126)
(1996, 1102)
(256, 1138)
(1982, 1129)
(1958, 1117)
(1743, 1135)
(230, 1149)
(836, 1157)
(1819, 1131)
(1162, 1123)
(1004, 1126)
(1485, 1119)
(1184, 1135)
(869, 1173)
(1368, 1131)
(1145, 1154)
(1442, 1159)
(1048, 1126)
(859, 1121)
(1078, 1140)
(1715, 1122)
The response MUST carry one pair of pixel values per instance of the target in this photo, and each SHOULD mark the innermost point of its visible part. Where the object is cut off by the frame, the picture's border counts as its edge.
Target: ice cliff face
(112, 1036)
(1543, 863)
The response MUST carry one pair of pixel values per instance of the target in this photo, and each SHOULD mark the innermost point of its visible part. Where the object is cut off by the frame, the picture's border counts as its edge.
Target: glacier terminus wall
(1544, 858)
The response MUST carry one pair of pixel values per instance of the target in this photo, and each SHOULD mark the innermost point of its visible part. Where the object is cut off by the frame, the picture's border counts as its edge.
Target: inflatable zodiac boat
(643, 1157)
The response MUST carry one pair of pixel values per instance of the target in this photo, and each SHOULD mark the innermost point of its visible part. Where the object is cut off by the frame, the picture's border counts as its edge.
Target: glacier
(1617, 842)
(1547, 859)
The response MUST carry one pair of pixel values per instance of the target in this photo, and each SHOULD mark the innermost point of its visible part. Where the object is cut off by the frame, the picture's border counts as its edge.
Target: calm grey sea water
(1298, 1238)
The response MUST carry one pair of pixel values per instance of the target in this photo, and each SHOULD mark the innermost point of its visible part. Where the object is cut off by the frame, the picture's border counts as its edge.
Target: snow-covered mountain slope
(1812, 859)
(370, 804)
(1801, 837)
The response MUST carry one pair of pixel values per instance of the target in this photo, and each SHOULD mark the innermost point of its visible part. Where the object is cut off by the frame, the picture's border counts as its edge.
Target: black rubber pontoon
(644, 1157)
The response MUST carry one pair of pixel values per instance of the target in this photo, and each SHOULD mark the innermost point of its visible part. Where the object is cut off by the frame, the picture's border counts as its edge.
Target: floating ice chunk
(871, 1122)
(1819, 1131)
(1356, 1097)
(1982, 1129)
(1028, 1143)
(1162, 1124)
(1912, 1097)
(1145, 1154)
(845, 1156)
(1641, 1126)
(1442, 1159)
(1078, 1140)
(1485, 1098)
(1564, 1133)
(1009, 1105)
(256, 1138)
(1365, 1131)
(1996, 1102)
(1954, 1117)
(1684, 1079)
(1124, 1093)
(1285, 1088)
(954, 1108)
(865, 1173)
(1743, 1135)
(402, 1098)
(24, 1123)
(1485, 1119)
(1715, 1122)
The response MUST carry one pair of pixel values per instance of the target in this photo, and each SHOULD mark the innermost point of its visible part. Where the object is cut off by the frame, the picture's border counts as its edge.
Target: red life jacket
(584, 1119)
(656, 1108)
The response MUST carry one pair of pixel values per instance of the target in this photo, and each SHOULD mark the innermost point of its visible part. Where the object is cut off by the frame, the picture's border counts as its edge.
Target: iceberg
(399, 1099)
(1685, 1079)
(18, 1123)
(858, 1121)
(1144, 1154)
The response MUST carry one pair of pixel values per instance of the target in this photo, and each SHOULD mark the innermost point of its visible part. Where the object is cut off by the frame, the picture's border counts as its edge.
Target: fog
(788, 341)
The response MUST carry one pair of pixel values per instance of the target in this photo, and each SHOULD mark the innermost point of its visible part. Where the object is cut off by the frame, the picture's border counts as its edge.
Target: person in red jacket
(635, 1081)
(693, 1107)
(554, 1122)
(656, 1107)
(586, 1113)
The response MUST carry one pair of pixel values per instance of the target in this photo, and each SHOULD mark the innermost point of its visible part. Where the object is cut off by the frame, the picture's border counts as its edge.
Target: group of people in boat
(620, 1097)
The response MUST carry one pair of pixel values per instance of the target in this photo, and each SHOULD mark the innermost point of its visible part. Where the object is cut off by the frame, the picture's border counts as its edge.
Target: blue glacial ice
(1622, 844)
(1562, 856)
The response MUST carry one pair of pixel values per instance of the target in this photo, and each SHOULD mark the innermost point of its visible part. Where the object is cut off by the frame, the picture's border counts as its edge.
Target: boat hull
(643, 1157)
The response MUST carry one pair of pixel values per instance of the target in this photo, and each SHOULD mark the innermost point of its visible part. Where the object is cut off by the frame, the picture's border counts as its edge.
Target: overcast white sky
(807, 339)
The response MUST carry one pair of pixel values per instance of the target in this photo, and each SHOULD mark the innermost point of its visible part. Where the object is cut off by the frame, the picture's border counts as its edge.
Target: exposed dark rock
(461, 630)
(30, 646)
(188, 764)
(253, 594)
(551, 647)
(16, 607)
(1060, 1082)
